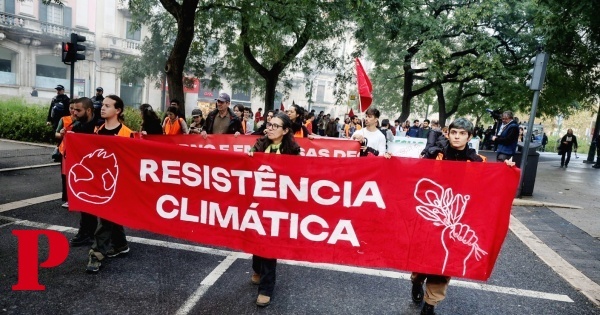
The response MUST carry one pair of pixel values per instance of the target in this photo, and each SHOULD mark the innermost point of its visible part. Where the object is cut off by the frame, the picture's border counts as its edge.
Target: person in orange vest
(277, 140)
(173, 124)
(296, 114)
(64, 125)
(454, 147)
(109, 232)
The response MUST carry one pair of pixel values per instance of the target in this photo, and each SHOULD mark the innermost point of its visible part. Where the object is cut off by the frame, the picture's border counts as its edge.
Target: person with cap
(197, 121)
(97, 101)
(59, 107)
(222, 120)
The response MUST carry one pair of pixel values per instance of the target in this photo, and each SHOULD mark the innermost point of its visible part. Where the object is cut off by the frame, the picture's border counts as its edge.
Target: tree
(248, 40)
(449, 46)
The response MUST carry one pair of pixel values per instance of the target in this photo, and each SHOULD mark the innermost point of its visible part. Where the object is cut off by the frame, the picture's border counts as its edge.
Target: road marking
(339, 268)
(212, 277)
(27, 167)
(573, 276)
(28, 202)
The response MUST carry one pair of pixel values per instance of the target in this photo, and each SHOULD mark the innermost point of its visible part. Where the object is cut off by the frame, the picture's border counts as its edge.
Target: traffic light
(75, 40)
(66, 52)
(538, 72)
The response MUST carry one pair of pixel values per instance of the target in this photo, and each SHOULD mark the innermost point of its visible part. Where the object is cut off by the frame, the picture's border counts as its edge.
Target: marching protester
(97, 101)
(150, 122)
(296, 115)
(249, 122)
(351, 127)
(263, 128)
(85, 122)
(222, 120)
(197, 121)
(567, 143)
(173, 124)
(64, 125)
(454, 147)
(108, 232)
(278, 140)
(370, 138)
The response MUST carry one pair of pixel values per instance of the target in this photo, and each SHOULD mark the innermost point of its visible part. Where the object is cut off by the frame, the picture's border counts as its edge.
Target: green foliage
(24, 122)
(27, 122)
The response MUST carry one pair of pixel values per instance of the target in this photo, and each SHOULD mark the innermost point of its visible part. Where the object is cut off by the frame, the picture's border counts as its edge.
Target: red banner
(410, 214)
(323, 147)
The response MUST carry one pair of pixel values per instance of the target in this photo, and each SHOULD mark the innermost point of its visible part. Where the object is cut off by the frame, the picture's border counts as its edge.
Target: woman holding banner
(279, 139)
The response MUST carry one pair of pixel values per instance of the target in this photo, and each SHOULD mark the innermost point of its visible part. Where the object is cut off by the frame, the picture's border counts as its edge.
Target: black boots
(417, 292)
(427, 310)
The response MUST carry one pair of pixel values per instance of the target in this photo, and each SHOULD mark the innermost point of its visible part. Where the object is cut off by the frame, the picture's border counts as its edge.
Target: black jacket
(65, 100)
(442, 145)
(235, 125)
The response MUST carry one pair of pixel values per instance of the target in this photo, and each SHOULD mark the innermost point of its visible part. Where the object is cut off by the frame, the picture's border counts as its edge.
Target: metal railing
(126, 45)
(35, 27)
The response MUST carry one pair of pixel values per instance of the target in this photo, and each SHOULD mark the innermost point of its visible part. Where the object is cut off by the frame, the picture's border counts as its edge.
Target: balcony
(17, 27)
(120, 46)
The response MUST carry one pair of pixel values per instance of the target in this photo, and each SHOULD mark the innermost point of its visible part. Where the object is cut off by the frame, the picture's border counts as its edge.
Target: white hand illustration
(443, 208)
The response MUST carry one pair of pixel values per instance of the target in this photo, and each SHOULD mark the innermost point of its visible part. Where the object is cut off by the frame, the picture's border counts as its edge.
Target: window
(2, 6)
(321, 92)
(133, 35)
(55, 14)
(5, 65)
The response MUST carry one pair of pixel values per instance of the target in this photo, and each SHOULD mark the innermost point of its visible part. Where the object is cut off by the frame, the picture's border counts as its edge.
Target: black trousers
(108, 232)
(562, 158)
(88, 224)
(266, 268)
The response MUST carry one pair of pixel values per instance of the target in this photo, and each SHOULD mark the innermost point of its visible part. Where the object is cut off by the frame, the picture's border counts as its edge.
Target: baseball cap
(196, 112)
(100, 89)
(59, 87)
(223, 97)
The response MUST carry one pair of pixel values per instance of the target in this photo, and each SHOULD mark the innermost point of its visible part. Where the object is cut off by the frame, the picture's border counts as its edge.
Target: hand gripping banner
(436, 217)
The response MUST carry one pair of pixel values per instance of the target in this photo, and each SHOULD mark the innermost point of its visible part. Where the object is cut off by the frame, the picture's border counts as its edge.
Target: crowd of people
(278, 131)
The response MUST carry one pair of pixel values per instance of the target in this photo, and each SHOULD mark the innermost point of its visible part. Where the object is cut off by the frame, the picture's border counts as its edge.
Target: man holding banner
(453, 148)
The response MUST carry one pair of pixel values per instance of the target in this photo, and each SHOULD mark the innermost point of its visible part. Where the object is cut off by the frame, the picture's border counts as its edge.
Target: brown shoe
(263, 300)
(255, 279)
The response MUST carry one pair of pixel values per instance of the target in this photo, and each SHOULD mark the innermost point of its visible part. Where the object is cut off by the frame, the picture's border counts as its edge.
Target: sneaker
(417, 292)
(263, 300)
(427, 309)
(116, 251)
(566, 166)
(255, 279)
(94, 262)
(596, 166)
(65, 205)
(81, 240)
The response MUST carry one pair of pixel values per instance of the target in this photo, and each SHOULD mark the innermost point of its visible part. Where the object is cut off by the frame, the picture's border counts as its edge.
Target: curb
(534, 203)
(29, 143)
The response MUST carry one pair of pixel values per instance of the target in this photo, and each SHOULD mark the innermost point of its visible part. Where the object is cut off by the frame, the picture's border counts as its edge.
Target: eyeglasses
(273, 126)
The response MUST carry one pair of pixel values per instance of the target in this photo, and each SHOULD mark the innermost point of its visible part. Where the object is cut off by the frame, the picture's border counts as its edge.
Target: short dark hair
(175, 101)
(416, 120)
(385, 122)
(85, 102)
(426, 121)
(462, 123)
(372, 111)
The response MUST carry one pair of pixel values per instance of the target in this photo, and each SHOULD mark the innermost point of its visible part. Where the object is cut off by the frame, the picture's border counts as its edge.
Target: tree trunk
(184, 14)
(407, 96)
(270, 89)
(439, 91)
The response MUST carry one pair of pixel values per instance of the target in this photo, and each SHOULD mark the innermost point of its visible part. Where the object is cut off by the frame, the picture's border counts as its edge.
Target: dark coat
(235, 125)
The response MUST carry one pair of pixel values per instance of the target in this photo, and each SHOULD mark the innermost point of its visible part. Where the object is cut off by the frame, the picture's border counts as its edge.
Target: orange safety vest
(299, 133)
(124, 132)
(172, 128)
(68, 125)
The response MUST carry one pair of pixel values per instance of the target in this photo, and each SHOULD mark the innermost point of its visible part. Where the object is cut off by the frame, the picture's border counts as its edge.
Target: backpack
(58, 109)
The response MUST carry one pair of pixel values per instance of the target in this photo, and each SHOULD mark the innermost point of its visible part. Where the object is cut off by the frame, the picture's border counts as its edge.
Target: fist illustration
(94, 178)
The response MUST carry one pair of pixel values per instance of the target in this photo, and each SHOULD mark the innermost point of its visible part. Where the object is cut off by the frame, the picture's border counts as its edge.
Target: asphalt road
(163, 275)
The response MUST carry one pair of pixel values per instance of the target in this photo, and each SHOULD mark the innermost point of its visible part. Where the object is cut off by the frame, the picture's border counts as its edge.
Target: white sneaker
(65, 205)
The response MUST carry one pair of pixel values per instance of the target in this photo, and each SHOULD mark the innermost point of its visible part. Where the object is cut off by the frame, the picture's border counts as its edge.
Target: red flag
(281, 106)
(365, 88)
(351, 113)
